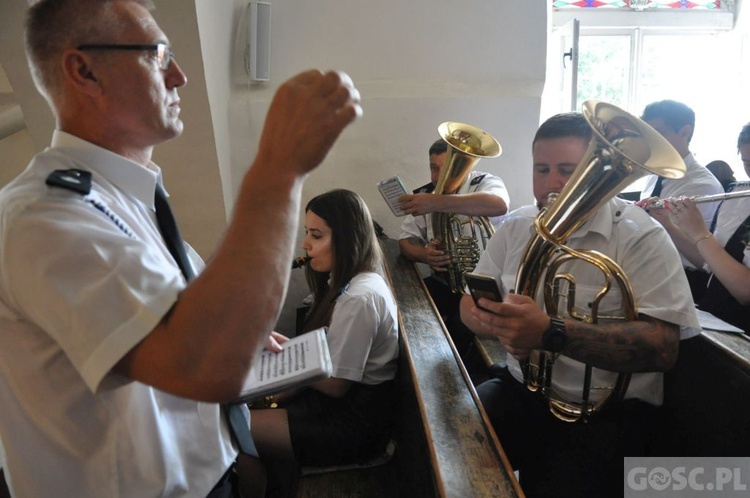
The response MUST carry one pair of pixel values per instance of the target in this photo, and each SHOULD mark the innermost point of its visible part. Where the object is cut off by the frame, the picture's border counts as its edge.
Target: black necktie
(168, 227)
(170, 233)
(657, 187)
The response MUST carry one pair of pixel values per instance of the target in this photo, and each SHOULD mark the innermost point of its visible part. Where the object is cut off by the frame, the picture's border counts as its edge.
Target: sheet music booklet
(304, 359)
(391, 189)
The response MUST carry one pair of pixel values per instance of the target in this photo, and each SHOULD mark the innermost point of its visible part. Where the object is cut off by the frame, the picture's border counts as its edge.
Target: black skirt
(336, 431)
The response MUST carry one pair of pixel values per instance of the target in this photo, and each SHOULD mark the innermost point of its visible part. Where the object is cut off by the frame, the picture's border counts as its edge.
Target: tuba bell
(622, 149)
(462, 237)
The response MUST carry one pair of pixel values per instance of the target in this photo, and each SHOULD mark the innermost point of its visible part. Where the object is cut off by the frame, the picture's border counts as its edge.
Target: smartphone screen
(482, 286)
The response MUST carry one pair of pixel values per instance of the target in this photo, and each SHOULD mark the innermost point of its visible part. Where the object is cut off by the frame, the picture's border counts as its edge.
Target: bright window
(637, 4)
(604, 69)
(631, 68)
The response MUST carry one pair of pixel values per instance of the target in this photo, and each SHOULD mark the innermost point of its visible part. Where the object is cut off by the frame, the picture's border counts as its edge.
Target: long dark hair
(355, 249)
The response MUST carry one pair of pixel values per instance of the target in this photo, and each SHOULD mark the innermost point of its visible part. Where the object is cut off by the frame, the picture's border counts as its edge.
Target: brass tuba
(622, 149)
(462, 237)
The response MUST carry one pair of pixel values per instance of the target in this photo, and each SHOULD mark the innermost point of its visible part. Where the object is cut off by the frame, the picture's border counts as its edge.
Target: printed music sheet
(304, 359)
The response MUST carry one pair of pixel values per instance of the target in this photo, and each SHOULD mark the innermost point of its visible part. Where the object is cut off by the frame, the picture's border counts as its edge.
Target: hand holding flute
(656, 203)
(684, 214)
(680, 214)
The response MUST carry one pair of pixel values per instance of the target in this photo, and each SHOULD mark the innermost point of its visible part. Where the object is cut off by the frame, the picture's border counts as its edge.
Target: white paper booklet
(303, 360)
(391, 189)
(710, 322)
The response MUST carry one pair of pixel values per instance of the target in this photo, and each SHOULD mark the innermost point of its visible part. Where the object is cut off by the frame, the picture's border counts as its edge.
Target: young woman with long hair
(349, 417)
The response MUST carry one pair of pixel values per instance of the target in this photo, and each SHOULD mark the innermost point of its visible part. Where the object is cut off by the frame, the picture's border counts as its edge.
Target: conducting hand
(306, 116)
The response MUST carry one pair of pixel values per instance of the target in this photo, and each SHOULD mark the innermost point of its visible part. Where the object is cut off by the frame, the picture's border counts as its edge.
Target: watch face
(556, 340)
(554, 337)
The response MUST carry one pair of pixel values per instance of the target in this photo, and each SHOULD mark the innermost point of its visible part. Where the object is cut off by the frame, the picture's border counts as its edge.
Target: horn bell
(462, 237)
(467, 145)
(623, 149)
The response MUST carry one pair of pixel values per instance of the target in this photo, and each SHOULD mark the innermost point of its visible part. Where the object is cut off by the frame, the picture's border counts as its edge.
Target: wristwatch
(554, 337)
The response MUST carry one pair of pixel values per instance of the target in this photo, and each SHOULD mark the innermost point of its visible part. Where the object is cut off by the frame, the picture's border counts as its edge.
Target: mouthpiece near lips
(300, 262)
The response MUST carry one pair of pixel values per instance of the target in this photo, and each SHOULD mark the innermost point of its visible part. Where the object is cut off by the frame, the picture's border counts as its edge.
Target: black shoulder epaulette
(76, 180)
(425, 189)
(477, 180)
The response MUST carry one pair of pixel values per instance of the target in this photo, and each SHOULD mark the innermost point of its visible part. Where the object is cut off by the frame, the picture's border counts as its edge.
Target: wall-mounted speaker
(258, 62)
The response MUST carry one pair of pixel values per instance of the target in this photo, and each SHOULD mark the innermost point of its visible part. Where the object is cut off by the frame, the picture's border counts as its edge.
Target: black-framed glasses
(164, 54)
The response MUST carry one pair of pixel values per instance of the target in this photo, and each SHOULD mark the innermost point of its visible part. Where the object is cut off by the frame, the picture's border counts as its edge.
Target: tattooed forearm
(645, 345)
(413, 248)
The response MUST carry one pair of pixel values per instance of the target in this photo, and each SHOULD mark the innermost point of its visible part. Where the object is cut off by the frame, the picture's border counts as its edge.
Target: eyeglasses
(164, 54)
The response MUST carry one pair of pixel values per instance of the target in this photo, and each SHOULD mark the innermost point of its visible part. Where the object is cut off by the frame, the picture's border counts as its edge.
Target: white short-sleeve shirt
(731, 215)
(80, 285)
(698, 180)
(363, 334)
(640, 246)
(477, 181)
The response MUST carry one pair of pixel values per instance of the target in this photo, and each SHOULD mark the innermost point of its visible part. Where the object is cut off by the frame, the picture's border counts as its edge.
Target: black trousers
(448, 305)
(698, 281)
(227, 487)
(562, 459)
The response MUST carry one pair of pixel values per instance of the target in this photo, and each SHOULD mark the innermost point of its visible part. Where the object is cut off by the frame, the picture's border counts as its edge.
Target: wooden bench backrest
(707, 397)
(459, 451)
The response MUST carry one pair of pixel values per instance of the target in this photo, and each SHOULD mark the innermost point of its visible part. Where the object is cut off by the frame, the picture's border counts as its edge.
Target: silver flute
(663, 203)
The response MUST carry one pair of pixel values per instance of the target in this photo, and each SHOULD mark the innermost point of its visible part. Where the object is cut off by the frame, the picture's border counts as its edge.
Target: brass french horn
(622, 149)
(462, 237)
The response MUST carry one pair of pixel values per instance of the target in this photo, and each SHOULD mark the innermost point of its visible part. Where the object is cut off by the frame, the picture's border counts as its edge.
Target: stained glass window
(639, 4)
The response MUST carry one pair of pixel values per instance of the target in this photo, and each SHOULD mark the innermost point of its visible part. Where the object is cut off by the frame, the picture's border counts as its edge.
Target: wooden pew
(446, 447)
(446, 443)
(707, 397)
(492, 352)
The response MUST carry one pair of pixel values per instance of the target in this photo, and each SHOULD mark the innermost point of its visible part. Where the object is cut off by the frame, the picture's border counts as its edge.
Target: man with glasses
(164, 54)
(113, 359)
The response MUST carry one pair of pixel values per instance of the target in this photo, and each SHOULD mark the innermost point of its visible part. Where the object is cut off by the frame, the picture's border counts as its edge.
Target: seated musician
(725, 253)
(558, 458)
(675, 121)
(349, 417)
(481, 194)
(723, 172)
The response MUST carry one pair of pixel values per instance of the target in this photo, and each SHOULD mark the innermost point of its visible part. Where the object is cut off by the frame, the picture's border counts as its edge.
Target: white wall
(416, 65)
(16, 151)
(191, 163)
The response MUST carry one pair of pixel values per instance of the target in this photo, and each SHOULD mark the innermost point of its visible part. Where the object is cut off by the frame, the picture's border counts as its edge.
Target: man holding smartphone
(557, 458)
(481, 194)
